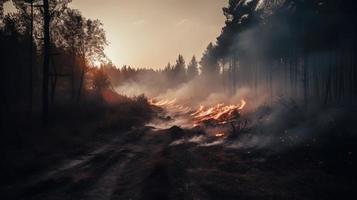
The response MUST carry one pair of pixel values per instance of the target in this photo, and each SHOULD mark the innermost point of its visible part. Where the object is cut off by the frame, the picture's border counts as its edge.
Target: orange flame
(162, 102)
(219, 113)
(219, 135)
(171, 106)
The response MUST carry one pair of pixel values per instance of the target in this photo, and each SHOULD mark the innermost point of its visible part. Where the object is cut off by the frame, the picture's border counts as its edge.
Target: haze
(152, 33)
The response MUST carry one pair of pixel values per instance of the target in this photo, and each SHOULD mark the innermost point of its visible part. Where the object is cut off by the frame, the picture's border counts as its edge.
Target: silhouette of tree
(192, 69)
(209, 61)
(85, 38)
(100, 80)
(27, 12)
(46, 59)
(179, 69)
(168, 67)
(14, 63)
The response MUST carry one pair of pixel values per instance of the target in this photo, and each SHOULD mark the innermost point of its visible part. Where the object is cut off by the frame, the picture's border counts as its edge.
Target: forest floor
(175, 163)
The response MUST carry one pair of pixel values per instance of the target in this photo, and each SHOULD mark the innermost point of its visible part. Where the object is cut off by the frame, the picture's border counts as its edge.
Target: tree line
(303, 50)
(174, 74)
(300, 49)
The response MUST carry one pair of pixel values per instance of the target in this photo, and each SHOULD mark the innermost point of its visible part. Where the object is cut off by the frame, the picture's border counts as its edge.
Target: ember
(218, 114)
(162, 102)
(219, 135)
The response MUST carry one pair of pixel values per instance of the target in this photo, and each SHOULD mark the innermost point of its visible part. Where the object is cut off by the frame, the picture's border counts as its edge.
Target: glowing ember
(242, 105)
(171, 106)
(219, 113)
(163, 102)
(219, 135)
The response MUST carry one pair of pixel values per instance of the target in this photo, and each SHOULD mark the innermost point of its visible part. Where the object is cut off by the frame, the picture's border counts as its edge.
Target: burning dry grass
(205, 115)
(219, 114)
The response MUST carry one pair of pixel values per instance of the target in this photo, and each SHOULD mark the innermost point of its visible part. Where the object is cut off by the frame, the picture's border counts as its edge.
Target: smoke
(177, 142)
(263, 60)
(273, 129)
(193, 93)
(251, 142)
(152, 84)
(285, 125)
(195, 140)
(214, 143)
(165, 121)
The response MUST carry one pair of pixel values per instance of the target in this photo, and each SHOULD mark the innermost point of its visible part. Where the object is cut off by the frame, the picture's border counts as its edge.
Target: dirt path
(98, 174)
(151, 164)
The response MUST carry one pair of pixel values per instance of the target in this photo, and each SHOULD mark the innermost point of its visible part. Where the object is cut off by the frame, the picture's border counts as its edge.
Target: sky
(151, 33)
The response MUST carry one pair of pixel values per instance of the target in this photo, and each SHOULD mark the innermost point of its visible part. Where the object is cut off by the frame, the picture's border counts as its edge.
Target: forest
(304, 50)
(267, 111)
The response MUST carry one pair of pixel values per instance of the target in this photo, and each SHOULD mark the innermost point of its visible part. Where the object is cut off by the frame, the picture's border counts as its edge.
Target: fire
(219, 113)
(242, 105)
(171, 105)
(163, 102)
(219, 135)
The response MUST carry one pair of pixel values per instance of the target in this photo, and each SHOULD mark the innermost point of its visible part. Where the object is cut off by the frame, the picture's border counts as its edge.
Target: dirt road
(176, 164)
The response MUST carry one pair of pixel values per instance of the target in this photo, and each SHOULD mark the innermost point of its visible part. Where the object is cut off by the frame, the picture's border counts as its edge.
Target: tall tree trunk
(256, 76)
(53, 90)
(80, 86)
(53, 83)
(234, 74)
(73, 92)
(81, 81)
(31, 62)
(285, 76)
(271, 81)
(328, 81)
(316, 90)
(354, 65)
(46, 60)
(306, 79)
(291, 84)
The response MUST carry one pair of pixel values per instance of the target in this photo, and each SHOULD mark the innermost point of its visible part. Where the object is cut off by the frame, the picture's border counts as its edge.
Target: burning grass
(218, 114)
(204, 115)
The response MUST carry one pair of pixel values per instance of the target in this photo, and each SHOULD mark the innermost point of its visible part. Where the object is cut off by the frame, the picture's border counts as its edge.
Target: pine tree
(180, 69)
(192, 69)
